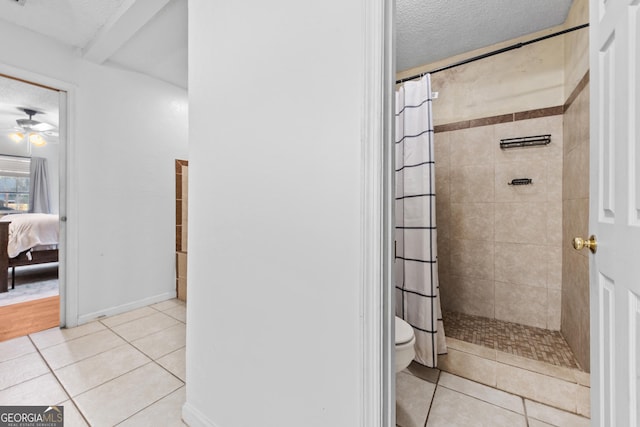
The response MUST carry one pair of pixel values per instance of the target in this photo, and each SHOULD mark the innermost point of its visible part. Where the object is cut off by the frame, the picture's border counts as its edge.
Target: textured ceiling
(430, 30)
(15, 95)
(427, 30)
(72, 22)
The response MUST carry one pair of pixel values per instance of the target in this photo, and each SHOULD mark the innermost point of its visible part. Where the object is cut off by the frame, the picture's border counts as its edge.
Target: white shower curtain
(416, 268)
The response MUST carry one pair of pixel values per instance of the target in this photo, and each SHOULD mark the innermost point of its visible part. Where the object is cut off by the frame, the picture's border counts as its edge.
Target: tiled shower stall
(514, 293)
(504, 251)
(500, 245)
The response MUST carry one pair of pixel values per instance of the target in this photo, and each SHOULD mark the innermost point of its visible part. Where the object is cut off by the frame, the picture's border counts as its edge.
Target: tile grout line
(149, 362)
(116, 377)
(38, 350)
(84, 358)
(151, 359)
(66, 340)
(102, 318)
(66, 392)
(149, 335)
(152, 403)
(549, 404)
(18, 357)
(184, 384)
(517, 366)
(144, 336)
(168, 371)
(126, 342)
(487, 402)
(21, 354)
(71, 399)
(433, 396)
(27, 380)
(120, 376)
(524, 408)
(521, 398)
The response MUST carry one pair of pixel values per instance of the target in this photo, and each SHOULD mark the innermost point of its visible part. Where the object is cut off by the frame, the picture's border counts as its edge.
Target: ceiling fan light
(37, 139)
(16, 137)
(27, 123)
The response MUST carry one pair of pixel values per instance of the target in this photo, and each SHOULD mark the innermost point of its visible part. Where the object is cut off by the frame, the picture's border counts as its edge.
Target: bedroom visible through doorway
(30, 152)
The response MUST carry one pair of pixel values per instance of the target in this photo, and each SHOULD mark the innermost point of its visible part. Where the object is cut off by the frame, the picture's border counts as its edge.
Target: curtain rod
(495, 52)
(15, 156)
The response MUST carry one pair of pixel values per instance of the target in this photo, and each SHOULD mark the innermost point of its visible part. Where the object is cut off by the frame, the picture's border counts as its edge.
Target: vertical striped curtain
(416, 268)
(39, 186)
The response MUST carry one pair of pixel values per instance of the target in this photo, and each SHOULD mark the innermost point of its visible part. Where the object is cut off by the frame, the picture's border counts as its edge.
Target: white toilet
(405, 342)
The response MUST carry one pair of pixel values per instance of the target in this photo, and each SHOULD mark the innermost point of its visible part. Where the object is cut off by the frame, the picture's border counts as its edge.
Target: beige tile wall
(576, 46)
(517, 80)
(575, 272)
(575, 265)
(503, 251)
(500, 246)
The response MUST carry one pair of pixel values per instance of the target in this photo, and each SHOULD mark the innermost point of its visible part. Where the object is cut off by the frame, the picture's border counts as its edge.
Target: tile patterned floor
(428, 397)
(127, 369)
(525, 341)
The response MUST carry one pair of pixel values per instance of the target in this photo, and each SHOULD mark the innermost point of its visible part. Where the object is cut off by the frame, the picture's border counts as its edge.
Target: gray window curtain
(39, 186)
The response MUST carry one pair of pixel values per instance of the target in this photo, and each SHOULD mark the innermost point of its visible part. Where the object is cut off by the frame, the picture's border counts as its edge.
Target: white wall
(274, 255)
(128, 129)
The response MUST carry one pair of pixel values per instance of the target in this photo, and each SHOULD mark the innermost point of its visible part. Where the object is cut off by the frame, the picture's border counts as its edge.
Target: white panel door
(615, 212)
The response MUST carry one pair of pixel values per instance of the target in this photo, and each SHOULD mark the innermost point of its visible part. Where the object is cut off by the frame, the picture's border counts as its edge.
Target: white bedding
(28, 231)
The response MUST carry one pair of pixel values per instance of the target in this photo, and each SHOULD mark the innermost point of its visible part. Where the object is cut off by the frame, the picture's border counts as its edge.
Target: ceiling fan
(32, 130)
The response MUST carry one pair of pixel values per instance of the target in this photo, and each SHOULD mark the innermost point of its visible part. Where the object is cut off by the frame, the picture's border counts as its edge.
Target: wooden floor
(27, 317)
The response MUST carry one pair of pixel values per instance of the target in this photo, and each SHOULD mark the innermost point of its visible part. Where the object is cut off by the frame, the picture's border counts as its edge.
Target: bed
(26, 239)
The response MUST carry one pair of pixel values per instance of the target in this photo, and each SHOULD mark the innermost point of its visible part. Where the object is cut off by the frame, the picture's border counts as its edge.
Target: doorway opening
(31, 149)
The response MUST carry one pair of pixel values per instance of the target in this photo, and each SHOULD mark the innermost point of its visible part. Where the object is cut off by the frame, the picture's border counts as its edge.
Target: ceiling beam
(131, 17)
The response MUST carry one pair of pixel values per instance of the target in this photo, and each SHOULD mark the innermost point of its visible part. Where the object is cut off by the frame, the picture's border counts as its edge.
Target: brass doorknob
(592, 243)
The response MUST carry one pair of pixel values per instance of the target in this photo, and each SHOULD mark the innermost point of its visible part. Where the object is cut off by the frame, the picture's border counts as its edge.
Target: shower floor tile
(525, 341)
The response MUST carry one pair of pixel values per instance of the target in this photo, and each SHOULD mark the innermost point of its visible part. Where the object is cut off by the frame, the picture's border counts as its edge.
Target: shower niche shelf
(521, 181)
(525, 141)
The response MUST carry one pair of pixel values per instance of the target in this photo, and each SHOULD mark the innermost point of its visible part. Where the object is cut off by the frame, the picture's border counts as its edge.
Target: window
(14, 183)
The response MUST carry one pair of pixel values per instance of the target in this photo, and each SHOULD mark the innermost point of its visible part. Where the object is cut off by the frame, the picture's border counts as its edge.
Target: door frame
(377, 333)
(68, 200)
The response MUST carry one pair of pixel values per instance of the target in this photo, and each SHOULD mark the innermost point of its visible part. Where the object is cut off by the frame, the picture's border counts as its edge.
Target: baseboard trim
(194, 418)
(85, 318)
